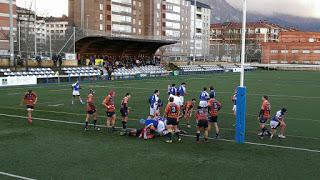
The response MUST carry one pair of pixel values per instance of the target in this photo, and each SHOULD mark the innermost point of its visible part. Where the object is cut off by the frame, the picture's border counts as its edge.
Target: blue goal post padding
(241, 115)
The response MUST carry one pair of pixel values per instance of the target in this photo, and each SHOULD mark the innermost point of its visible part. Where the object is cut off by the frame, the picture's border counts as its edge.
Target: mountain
(222, 11)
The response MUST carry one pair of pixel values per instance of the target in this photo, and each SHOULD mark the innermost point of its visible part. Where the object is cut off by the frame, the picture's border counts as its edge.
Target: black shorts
(29, 107)
(124, 112)
(172, 121)
(110, 114)
(213, 119)
(263, 120)
(202, 124)
(92, 111)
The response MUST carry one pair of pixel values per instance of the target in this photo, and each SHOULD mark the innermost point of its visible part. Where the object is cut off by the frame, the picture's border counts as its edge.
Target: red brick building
(5, 26)
(293, 48)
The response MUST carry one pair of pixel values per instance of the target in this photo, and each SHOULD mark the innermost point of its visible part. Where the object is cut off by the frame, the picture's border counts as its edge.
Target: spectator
(38, 59)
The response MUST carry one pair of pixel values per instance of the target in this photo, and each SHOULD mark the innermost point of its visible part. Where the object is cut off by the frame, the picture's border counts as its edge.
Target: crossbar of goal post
(241, 90)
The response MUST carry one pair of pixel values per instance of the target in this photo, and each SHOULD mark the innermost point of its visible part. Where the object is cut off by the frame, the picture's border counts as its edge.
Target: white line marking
(55, 105)
(15, 176)
(227, 140)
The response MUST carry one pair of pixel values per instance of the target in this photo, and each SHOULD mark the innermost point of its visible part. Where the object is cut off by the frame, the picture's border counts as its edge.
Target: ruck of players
(167, 116)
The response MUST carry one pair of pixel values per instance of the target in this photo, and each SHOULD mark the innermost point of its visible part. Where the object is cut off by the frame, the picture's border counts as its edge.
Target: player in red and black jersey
(124, 110)
(172, 113)
(214, 107)
(108, 103)
(187, 111)
(30, 99)
(91, 111)
(264, 116)
(201, 116)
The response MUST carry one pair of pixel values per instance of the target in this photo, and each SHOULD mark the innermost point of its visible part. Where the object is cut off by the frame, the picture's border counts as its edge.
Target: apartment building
(146, 19)
(4, 26)
(56, 27)
(293, 48)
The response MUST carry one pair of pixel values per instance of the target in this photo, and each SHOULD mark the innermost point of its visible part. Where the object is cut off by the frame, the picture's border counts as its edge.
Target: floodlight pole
(12, 63)
(241, 90)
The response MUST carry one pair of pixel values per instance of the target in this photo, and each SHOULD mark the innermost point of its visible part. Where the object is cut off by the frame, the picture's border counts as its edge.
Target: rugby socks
(263, 130)
(87, 124)
(95, 123)
(169, 135)
(124, 125)
(198, 136)
(178, 134)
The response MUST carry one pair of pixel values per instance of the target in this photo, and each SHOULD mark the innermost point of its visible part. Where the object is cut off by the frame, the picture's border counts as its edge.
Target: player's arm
(23, 100)
(104, 102)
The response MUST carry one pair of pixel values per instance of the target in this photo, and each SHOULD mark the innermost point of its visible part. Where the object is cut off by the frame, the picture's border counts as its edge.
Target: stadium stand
(212, 68)
(37, 72)
(151, 70)
(80, 71)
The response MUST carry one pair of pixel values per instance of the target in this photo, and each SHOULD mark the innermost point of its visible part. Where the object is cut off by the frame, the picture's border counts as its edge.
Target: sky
(306, 8)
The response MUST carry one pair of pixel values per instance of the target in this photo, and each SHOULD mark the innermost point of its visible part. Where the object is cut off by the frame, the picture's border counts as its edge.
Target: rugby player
(76, 92)
(204, 96)
(201, 116)
(124, 110)
(91, 111)
(214, 107)
(177, 99)
(187, 111)
(183, 91)
(30, 100)
(153, 102)
(108, 103)
(172, 113)
(278, 121)
(264, 116)
(234, 102)
(212, 92)
(172, 89)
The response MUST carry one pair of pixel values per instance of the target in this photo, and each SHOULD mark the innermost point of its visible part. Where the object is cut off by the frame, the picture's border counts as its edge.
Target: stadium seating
(139, 70)
(37, 72)
(211, 68)
(80, 71)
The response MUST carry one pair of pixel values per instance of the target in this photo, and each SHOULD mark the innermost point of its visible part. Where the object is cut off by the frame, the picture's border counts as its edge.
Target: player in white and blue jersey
(172, 89)
(212, 92)
(278, 121)
(153, 102)
(182, 91)
(76, 92)
(204, 97)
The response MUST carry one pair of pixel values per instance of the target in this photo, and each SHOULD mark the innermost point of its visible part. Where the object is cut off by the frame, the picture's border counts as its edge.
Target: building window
(316, 51)
(306, 51)
(284, 51)
(101, 27)
(101, 17)
(274, 51)
(139, 31)
(295, 51)
(101, 7)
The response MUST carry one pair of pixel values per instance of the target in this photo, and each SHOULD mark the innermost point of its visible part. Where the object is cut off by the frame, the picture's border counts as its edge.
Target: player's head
(91, 91)
(30, 91)
(204, 89)
(128, 95)
(112, 93)
(211, 88)
(171, 99)
(194, 100)
(183, 84)
(283, 110)
(211, 96)
(265, 97)
(173, 85)
(157, 92)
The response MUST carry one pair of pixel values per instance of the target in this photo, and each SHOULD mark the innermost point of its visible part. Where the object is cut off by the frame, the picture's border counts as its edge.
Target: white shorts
(274, 124)
(203, 104)
(182, 99)
(153, 111)
(75, 93)
(234, 108)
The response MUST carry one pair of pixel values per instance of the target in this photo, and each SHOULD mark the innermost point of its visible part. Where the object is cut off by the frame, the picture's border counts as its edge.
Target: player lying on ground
(152, 127)
(91, 111)
(214, 107)
(30, 100)
(264, 116)
(76, 92)
(108, 103)
(201, 116)
(278, 121)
